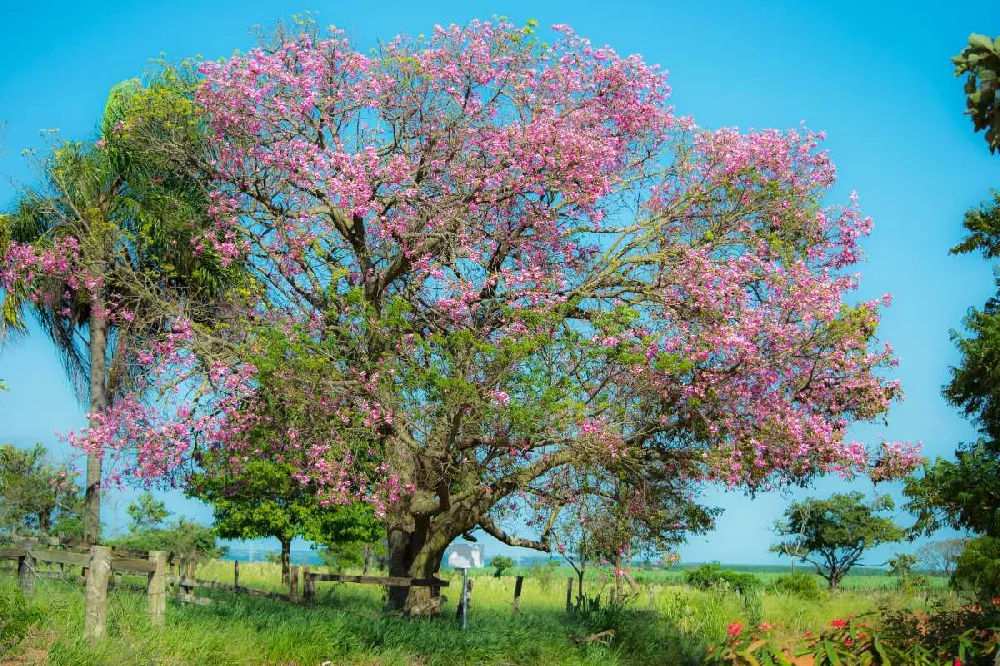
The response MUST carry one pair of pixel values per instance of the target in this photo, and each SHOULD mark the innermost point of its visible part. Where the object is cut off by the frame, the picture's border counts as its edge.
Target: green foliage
(798, 584)
(978, 568)
(544, 573)
(833, 533)
(944, 638)
(190, 540)
(940, 634)
(981, 61)
(17, 618)
(35, 495)
(753, 604)
(341, 555)
(958, 493)
(902, 565)
(262, 497)
(146, 514)
(500, 564)
(712, 575)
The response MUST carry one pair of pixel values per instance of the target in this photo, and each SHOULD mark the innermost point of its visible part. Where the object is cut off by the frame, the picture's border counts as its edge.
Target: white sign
(466, 556)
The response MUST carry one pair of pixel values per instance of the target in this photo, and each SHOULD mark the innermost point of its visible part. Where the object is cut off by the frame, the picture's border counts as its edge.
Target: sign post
(465, 556)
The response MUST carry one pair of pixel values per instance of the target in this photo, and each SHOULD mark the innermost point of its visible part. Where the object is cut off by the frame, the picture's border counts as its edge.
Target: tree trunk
(45, 521)
(834, 579)
(98, 403)
(416, 552)
(367, 554)
(286, 561)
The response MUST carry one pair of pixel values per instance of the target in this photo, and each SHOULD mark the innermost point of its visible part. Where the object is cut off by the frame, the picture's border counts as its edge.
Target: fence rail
(99, 564)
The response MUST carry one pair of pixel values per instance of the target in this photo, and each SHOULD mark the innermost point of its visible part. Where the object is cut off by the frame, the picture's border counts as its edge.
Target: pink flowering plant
(494, 261)
(852, 642)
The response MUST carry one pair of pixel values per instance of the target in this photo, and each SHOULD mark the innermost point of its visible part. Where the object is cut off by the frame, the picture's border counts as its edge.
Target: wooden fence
(310, 579)
(39, 558)
(99, 563)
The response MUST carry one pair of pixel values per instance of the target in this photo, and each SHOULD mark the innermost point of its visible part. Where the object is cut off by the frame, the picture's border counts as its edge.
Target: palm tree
(133, 217)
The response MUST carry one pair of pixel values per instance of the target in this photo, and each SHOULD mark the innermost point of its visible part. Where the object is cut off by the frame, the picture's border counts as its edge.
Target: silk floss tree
(497, 262)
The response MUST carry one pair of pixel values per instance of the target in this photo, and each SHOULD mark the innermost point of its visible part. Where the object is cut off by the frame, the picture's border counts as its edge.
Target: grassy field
(346, 626)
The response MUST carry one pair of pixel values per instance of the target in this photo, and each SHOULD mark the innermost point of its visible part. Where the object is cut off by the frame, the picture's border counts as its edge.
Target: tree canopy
(494, 261)
(962, 493)
(981, 61)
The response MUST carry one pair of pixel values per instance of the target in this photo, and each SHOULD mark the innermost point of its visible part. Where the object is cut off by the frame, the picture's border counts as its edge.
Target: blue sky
(875, 76)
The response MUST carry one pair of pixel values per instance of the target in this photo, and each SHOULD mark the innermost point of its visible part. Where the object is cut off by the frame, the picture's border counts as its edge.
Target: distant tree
(262, 498)
(616, 523)
(500, 564)
(940, 557)
(33, 492)
(838, 532)
(184, 538)
(146, 513)
(981, 61)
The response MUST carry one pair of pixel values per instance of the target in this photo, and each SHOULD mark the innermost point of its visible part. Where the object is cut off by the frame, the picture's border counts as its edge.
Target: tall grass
(668, 625)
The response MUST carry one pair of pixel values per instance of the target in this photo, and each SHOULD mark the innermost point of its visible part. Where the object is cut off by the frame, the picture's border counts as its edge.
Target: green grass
(347, 626)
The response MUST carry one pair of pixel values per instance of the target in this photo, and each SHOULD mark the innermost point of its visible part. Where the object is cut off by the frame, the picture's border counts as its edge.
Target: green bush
(709, 576)
(544, 573)
(798, 584)
(16, 620)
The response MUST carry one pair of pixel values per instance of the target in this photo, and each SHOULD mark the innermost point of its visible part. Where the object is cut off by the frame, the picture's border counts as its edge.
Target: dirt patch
(35, 652)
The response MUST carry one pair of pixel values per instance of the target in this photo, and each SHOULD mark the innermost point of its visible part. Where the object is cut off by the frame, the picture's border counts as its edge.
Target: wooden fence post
(569, 595)
(308, 586)
(236, 573)
(98, 572)
(26, 573)
(156, 589)
(293, 583)
(517, 594)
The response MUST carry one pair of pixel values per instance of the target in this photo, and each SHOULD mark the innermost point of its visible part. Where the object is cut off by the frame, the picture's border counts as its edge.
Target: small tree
(838, 532)
(261, 498)
(146, 513)
(501, 563)
(34, 492)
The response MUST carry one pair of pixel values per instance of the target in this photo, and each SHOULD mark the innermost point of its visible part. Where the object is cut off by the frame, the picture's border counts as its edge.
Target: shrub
(944, 637)
(544, 573)
(16, 620)
(798, 584)
(709, 576)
